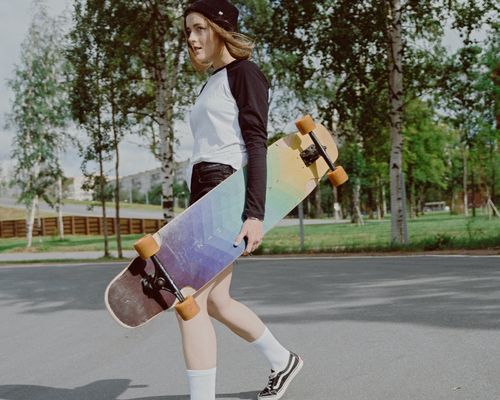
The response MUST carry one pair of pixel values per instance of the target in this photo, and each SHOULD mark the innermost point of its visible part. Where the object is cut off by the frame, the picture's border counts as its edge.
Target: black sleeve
(250, 89)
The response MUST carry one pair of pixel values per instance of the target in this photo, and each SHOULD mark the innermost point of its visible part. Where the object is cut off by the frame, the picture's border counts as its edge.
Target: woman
(229, 122)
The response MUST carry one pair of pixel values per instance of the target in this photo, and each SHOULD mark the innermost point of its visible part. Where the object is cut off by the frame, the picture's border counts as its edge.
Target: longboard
(196, 246)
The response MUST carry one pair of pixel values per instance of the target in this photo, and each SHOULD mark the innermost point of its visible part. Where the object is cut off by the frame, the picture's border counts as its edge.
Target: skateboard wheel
(305, 125)
(146, 247)
(338, 177)
(188, 308)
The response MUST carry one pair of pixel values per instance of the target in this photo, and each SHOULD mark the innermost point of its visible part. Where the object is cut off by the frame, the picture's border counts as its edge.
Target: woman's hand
(253, 230)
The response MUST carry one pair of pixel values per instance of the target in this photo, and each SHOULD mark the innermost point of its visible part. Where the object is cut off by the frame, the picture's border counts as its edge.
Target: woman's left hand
(253, 230)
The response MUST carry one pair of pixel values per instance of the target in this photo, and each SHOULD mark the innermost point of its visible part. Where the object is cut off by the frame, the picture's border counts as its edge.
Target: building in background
(73, 189)
(133, 188)
(143, 183)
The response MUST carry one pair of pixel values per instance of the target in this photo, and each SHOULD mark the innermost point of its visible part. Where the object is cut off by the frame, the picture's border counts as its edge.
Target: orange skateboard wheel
(338, 177)
(305, 125)
(188, 309)
(146, 247)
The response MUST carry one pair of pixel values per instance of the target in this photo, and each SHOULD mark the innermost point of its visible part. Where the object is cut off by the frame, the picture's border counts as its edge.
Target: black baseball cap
(222, 12)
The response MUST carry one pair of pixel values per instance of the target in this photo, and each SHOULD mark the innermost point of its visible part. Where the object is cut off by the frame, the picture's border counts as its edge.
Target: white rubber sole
(283, 390)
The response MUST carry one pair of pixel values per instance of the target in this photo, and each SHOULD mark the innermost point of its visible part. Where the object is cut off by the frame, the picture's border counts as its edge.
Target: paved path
(67, 255)
(375, 328)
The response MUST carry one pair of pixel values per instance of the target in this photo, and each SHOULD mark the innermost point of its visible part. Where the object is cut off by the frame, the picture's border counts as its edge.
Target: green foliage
(438, 242)
(154, 195)
(38, 111)
(330, 59)
(428, 147)
(327, 58)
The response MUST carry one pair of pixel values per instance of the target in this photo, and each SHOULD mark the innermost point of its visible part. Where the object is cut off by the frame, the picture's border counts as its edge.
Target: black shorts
(206, 176)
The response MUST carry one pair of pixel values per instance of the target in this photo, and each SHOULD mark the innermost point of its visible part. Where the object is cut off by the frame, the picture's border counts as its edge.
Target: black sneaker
(279, 381)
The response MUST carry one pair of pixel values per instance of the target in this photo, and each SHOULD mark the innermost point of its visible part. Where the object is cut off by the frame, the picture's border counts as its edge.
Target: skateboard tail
(126, 301)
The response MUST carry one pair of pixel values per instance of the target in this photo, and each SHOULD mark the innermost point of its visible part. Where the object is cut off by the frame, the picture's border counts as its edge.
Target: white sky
(15, 16)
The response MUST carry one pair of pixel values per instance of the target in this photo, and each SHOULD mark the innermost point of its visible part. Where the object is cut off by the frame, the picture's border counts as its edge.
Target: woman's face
(204, 42)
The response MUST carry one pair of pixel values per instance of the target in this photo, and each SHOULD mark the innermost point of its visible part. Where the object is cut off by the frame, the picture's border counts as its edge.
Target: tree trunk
(165, 74)
(100, 145)
(166, 147)
(399, 232)
(357, 217)
(38, 218)
(370, 205)
(30, 221)
(412, 201)
(103, 204)
(384, 202)
(337, 210)
(466, 200)
(60, 221)
(378, 199)
(59, 198)
(493, 173)
(319, 209)
(116, 142)
(473, 190)
(314, 199)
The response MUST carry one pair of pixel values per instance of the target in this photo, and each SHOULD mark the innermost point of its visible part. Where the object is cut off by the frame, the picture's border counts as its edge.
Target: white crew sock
(202, 383)
(276, 354)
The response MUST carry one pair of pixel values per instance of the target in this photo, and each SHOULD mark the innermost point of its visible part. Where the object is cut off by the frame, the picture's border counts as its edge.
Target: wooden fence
(79, 226)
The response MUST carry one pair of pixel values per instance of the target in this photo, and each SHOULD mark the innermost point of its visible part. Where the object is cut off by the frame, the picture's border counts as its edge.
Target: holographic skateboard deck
(195, 247)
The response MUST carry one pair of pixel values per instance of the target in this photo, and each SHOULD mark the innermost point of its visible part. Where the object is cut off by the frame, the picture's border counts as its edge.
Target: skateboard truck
(147, 247)
(152, 283)
(310, 155)
(337, 175)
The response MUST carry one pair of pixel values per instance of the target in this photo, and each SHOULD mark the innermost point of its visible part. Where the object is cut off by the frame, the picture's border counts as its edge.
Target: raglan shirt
(229, 126)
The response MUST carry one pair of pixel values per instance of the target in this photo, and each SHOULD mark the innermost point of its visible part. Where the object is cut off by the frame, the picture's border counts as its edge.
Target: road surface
(373, 328)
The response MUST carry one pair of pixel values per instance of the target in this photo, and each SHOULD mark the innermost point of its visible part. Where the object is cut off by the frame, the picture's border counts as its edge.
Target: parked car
(435, 206)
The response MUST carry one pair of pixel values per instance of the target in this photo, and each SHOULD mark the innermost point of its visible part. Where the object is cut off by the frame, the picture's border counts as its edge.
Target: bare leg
(199, 342)
(236, 316)
(245, 323)
(198, 336)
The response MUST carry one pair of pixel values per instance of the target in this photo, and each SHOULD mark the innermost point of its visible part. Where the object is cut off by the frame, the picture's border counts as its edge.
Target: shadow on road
(451, 292)
(51, 289)
(447, 292)
(101, 390)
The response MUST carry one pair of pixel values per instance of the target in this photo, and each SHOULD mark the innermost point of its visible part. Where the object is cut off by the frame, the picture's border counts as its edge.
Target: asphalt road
(368, 328)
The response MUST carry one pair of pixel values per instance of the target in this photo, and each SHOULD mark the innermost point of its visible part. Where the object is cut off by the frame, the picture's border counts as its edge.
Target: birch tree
(162, 50)
(39, 115)
(352, 51)
(148, 35)
(399, 230)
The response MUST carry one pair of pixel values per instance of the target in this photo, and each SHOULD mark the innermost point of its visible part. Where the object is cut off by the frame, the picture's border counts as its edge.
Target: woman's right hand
(253, 230)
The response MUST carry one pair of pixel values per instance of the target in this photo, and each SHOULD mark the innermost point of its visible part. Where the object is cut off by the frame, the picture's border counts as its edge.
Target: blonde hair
(239, 46)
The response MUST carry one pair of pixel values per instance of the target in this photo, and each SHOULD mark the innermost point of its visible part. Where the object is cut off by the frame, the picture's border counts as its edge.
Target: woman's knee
(217, 306)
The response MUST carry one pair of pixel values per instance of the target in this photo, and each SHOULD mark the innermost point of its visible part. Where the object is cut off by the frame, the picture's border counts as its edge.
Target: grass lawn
(69, 243)
(428, 232)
